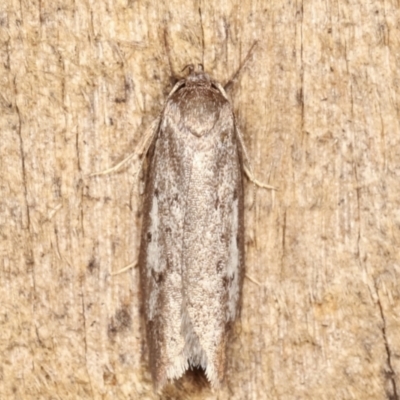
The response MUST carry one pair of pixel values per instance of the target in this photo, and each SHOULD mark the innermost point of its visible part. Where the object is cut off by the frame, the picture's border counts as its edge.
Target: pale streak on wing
(211, 253)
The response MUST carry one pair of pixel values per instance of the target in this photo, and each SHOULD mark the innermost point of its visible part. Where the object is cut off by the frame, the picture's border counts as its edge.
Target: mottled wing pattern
(192, 254)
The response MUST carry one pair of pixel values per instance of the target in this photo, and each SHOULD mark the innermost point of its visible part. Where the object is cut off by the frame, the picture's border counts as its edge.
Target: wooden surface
(318, 104)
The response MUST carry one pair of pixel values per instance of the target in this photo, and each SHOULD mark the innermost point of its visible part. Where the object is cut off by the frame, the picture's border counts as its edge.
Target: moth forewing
(192, 248)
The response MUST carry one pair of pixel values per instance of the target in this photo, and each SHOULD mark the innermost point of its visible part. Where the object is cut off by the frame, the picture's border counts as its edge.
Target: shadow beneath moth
(192, 245)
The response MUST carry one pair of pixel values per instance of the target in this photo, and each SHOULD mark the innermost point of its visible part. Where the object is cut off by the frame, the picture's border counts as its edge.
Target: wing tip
(179, 370)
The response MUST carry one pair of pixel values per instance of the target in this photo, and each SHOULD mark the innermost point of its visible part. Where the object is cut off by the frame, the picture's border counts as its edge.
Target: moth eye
(190, 67)
(156, 192)
(149, 236)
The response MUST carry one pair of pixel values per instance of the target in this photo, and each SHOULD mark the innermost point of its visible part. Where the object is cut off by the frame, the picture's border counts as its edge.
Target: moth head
(197, 76)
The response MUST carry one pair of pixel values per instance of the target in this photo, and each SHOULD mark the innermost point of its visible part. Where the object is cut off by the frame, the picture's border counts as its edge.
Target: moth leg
(251, 177)
(115, 167)
(143, 147)
(247, 166)
(120, 271)
(251, 279)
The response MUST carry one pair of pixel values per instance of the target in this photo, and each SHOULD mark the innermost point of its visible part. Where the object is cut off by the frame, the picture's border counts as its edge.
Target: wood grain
(318, 104)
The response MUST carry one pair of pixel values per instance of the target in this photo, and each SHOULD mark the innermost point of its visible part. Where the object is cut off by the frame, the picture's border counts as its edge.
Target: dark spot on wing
(224, 135)
(220, 266)
(157, 276)
(228, 280)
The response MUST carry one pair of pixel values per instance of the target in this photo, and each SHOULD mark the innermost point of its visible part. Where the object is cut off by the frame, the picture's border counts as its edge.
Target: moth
(191, 256)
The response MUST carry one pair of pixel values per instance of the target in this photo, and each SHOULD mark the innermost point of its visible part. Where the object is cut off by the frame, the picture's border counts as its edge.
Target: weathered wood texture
(319, 106)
